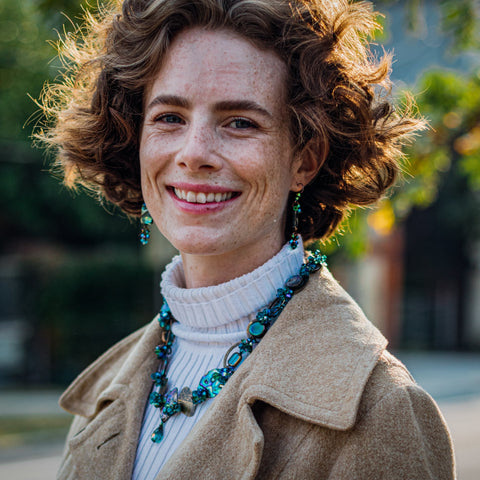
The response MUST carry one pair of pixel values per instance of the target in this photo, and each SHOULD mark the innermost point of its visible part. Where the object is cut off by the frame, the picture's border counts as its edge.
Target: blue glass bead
(256, 329)
(157, 435)
(276, 307)
(296, 283)
(281, 293)
(146, 218)
(313, 265)
(213, 381)
(199, 395)
(160, 379)
(162, 351)
(172, 395)
(156, 400)
(168, 411)
(264, 315)
(304, 271)
(245, 346)
(235, 359)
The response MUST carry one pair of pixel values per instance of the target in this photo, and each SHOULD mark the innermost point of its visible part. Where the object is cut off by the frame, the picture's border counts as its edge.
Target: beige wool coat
(319, 398)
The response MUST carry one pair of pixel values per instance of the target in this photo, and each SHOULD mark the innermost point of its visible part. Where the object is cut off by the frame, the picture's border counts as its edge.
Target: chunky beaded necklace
(173, 402)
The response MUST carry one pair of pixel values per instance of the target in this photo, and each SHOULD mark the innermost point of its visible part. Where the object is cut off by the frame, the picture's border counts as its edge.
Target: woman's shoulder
(391, 386)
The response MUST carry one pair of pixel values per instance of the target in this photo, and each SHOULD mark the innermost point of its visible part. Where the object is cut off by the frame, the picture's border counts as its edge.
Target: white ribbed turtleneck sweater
(209, 321)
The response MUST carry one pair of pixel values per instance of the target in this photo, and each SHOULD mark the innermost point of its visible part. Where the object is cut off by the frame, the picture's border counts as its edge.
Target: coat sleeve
(403, 436)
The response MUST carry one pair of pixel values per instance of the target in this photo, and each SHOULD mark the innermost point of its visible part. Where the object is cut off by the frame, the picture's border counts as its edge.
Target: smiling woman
(240, 128)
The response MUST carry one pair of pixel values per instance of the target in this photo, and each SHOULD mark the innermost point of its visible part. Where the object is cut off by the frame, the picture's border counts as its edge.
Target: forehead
(203, 63)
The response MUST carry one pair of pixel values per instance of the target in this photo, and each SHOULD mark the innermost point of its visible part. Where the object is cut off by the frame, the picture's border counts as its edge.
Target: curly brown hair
(337, 98)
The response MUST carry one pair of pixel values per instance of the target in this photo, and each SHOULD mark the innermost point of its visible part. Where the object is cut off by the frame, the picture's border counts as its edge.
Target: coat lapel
(315, 361)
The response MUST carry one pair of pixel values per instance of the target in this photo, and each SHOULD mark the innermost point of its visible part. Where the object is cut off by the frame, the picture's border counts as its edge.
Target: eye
(169, 118)
(242, 123)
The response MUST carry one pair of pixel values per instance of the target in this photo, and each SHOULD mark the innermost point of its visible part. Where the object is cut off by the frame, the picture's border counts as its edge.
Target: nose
(197, 152)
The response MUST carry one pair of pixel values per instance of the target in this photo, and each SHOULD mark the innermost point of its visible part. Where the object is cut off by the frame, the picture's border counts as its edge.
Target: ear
(306, 165)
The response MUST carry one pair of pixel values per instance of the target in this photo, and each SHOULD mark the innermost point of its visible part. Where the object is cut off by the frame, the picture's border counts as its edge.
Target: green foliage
(448, 156)
(23, 64)
(460, 19)
(34, 203)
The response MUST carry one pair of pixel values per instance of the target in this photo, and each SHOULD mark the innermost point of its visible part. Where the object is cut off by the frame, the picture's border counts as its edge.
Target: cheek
(151, 161)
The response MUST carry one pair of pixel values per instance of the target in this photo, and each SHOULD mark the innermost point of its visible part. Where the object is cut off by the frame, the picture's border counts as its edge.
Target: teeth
(201, 197)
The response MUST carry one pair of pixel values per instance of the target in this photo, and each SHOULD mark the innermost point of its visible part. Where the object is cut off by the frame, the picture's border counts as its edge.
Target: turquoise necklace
(186, 401)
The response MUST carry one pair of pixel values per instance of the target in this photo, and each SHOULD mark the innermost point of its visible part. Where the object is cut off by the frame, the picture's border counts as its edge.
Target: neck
(209, 270)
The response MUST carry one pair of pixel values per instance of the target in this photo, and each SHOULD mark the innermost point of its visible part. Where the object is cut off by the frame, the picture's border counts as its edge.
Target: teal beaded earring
(297, 209)
(146, 220)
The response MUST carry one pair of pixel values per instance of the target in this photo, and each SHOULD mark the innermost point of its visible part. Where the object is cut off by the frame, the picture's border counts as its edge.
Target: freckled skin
(244, 149)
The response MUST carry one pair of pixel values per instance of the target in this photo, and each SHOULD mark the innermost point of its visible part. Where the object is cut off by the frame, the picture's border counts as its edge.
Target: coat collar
(314, 362)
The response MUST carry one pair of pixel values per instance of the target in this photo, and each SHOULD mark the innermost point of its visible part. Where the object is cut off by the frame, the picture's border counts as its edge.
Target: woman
(241, 125)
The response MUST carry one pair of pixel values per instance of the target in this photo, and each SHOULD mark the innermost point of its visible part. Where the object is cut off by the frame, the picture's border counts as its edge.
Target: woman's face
(215, 153)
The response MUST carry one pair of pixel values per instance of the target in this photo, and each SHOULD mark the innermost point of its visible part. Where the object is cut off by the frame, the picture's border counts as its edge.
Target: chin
(194, 244)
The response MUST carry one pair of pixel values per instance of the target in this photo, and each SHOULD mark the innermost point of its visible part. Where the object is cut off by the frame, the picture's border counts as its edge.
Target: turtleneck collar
(219, 305)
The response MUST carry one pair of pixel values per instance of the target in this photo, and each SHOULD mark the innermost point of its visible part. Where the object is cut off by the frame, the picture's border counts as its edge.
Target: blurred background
(74, 278)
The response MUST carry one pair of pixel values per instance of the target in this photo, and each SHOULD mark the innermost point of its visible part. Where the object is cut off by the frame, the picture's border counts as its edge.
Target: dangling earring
(146, 220)
(297, 210)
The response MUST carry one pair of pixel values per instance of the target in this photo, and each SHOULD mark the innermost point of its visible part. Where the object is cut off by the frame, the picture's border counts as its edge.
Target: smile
(202, 197)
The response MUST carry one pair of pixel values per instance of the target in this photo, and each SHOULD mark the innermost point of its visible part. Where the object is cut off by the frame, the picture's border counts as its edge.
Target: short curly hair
(337, 96)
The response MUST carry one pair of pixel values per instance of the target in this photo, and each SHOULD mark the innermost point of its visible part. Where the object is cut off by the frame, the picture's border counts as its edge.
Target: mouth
(203, 197)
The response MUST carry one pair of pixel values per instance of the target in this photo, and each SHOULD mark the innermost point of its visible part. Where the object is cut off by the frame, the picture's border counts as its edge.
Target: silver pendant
(186, 402)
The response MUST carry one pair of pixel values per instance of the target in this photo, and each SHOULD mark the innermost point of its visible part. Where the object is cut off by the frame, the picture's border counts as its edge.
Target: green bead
(213, 381)
(157, 435)
(256, 329)
(235, 359)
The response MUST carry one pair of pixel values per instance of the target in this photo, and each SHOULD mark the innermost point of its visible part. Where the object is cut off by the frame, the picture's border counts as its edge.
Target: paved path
(43, 468)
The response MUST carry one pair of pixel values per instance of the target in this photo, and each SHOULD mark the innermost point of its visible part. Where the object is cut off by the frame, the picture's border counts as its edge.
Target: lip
(201, 208)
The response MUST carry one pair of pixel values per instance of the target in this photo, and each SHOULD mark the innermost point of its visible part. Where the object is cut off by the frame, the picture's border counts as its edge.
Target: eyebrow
(174, 100)
(229, 105)
(223, 106)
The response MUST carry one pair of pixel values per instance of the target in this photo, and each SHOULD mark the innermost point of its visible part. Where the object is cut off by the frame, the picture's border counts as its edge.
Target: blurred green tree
(447, 155)
(34, 204)
(459, 19)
